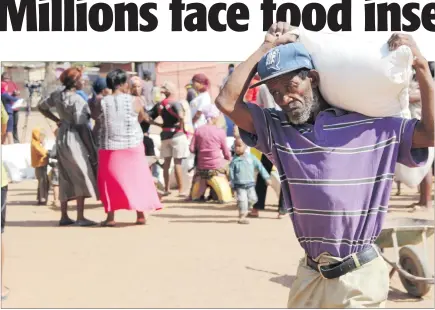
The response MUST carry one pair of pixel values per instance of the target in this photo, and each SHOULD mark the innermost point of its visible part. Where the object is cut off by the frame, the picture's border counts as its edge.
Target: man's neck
(323, 105)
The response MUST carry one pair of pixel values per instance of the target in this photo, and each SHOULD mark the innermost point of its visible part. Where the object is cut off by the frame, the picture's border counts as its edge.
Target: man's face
(197, 86)
(136, 88)
(295, 96)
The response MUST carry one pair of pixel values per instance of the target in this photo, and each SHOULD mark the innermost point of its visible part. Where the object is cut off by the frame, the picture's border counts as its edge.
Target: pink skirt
(125, 181)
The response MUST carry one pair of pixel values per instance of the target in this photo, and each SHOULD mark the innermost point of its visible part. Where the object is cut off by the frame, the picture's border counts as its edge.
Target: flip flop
(67, 222)
(107, 224)
(141, 222)
(85, 223)
(243, 221)
(253, 215)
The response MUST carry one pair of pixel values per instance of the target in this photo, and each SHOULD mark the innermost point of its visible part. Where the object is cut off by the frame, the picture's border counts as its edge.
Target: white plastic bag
(412, 177)
(360, 75)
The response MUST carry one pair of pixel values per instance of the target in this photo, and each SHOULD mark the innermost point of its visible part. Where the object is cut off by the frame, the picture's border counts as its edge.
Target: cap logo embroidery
(272, 60)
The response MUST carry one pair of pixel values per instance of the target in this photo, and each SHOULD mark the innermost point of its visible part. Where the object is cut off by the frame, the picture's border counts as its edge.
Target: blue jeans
(246, 198)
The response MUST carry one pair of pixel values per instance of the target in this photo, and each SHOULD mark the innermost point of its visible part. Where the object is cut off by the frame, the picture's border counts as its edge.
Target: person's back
(120, 128)
(210, 146)
(70, 106)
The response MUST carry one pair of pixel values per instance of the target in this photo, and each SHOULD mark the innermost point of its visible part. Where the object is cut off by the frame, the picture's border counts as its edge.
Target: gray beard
(312, 107)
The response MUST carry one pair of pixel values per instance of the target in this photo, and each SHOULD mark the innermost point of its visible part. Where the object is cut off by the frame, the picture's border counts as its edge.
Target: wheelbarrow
(411, 261)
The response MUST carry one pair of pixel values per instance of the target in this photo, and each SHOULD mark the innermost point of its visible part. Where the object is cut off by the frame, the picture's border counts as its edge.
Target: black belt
(336, 270)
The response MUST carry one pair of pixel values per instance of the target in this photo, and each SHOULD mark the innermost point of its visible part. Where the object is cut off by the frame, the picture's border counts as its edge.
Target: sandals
(85, 223)
(141, 222)
(66, 222)
(243, 221)
(165, 194)
(108, 224)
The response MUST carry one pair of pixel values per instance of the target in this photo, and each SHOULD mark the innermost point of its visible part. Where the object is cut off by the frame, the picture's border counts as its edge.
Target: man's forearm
(427, 93)
(239, 81)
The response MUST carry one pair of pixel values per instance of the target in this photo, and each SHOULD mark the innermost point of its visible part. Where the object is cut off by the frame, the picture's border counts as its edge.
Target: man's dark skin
(296, 95)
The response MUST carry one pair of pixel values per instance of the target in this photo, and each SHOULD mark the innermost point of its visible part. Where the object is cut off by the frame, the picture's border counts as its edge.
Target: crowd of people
(103, 149)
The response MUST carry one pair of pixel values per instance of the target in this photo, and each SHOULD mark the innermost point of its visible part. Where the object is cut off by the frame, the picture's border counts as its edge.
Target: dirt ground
(188, 256)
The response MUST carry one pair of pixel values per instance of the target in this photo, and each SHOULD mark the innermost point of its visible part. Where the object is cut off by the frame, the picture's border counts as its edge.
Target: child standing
(242, 176)
(39, 157)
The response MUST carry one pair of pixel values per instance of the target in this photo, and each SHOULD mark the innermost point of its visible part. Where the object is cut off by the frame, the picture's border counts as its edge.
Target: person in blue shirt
(242, 177)
(8, 101)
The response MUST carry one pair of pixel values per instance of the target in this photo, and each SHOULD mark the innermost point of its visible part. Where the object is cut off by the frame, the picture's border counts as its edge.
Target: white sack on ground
(17, 161)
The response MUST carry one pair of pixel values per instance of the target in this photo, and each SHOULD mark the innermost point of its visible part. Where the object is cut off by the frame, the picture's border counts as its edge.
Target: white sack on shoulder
(360, 75)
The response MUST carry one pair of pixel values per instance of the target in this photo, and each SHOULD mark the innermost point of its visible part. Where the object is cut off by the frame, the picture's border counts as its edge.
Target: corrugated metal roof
(27, 64)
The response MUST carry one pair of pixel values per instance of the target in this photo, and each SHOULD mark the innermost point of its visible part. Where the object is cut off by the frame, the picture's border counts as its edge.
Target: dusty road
(188, 256)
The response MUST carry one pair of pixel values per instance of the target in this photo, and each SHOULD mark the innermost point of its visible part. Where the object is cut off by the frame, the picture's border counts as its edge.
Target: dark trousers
(15, 130)
(261, 188)
(4, 194)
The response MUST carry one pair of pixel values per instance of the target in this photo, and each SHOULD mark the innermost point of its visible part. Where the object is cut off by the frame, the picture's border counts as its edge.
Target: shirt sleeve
(408, 156)
(260, 168)
(192, 146)
(203, 102)
(177, 107)
(153, 113)
(224, 146)
(47, 103)
(262, 140)
(9, 98)
(232, 172)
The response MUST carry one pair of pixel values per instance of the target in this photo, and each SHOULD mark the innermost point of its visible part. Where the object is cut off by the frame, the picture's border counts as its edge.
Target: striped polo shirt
(337, 174)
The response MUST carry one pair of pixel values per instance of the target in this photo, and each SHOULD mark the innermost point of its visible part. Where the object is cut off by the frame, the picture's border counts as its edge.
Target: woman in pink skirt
(124, 178)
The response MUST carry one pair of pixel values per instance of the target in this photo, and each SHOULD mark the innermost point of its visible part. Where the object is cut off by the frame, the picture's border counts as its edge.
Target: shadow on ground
(284, 280)
(56, 224)
(399, 296)
(205, 222)
(198, 216)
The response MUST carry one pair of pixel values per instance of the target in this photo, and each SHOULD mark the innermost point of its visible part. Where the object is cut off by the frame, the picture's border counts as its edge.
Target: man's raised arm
(424, 131)
(230, 99)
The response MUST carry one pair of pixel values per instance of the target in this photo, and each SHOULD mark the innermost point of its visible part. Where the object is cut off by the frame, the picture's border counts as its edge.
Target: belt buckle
(319, 266)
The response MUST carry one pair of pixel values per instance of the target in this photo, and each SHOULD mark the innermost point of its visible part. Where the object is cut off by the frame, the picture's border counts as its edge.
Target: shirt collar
(336, 111)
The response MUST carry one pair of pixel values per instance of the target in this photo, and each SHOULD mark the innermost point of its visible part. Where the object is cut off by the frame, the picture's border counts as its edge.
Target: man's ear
(314, 77)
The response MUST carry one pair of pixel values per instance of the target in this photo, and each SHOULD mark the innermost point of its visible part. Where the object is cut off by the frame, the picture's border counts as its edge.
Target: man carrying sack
(336, 167)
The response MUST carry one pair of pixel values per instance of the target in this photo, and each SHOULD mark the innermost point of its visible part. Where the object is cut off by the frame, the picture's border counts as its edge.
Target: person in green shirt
(4, 191)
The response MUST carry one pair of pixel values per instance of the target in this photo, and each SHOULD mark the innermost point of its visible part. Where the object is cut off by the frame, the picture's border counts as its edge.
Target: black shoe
(66, 222)
(85, 223)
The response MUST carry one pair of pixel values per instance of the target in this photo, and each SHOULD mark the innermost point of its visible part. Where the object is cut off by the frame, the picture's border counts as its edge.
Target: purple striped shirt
(337, 174)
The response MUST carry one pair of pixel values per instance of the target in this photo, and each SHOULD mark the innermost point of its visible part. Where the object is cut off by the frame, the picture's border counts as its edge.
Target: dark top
(191, 94)
(8, 101)
(169, 111)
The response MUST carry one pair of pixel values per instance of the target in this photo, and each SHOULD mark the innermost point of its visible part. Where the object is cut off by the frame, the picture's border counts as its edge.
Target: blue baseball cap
(99, 85)
(281, 60)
